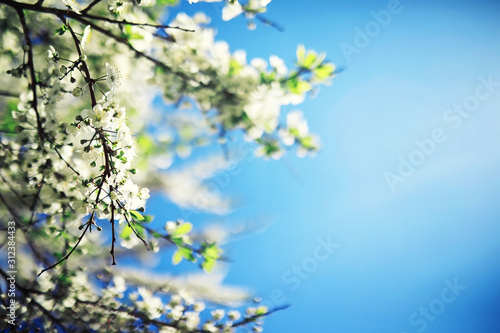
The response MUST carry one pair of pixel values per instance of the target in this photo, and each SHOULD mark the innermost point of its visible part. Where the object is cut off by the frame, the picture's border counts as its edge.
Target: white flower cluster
(127, 8)
(81, 168)
(234, 8)
(186, 312)
(106, 142)
(67, 152)
(297, 130)
(131, 306)
(35, 164)
(235, 94)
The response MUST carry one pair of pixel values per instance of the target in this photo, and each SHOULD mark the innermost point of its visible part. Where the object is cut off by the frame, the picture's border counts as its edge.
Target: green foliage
(61, 30)
(8, 123)
(137, 216)
(297, 86)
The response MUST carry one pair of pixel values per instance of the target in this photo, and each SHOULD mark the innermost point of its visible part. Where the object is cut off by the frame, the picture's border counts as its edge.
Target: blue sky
(400, 248)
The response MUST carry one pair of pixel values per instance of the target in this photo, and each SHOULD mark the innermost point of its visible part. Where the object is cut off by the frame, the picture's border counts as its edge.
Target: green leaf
(177, 241)
(208, 265)
(187, 253)
(211, 251)
(140, 230)
(324, 71)
(183, 229)
(126, 232)
(167, 2)
(309, 60)
(176, 258)
(61, 30)
(295, 132)
(64, 279)
(261, 310)
(298, 87)
(136, 215)
(234, 67)
(8, 123)
(308, 142)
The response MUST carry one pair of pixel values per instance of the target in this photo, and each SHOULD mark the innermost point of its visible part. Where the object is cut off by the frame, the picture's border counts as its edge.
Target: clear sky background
(401, 248)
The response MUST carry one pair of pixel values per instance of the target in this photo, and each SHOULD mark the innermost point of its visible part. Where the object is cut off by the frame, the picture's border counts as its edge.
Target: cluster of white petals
(82, 141)
(104, 141)
(232, 92)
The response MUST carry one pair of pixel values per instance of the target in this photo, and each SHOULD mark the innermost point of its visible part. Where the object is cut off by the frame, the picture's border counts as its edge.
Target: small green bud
(16, 73)
(77, 92)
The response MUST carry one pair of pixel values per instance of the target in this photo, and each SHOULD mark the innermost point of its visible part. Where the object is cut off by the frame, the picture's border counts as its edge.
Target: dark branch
(31, 66)
(83, 18)
(27, 293)
(12, 212)
(89, 7)
(88, 224)
(159, 26)
(8, 93)
(112, 221)
(270, 23)
(83, 62)
(255, 317)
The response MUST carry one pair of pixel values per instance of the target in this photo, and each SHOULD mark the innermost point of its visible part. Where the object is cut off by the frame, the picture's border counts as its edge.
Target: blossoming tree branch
(83, 142)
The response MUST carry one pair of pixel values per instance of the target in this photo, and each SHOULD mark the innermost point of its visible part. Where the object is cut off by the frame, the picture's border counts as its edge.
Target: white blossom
(231, 11)
(87, 34)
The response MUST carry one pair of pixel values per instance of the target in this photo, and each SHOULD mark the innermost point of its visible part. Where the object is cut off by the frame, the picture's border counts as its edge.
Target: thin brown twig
(125, 42)
(134, 313)
(16, 194)
(254, 317)
(27, 292)
(62, 158)
(158, 26)
(84, 63)
(11, 211)
(31, 65)
(35, 201)
(130, 226)
(270, 23)
(84, 20)
(89, 7)
(112, 221)
(88, 224)
(8, 93)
